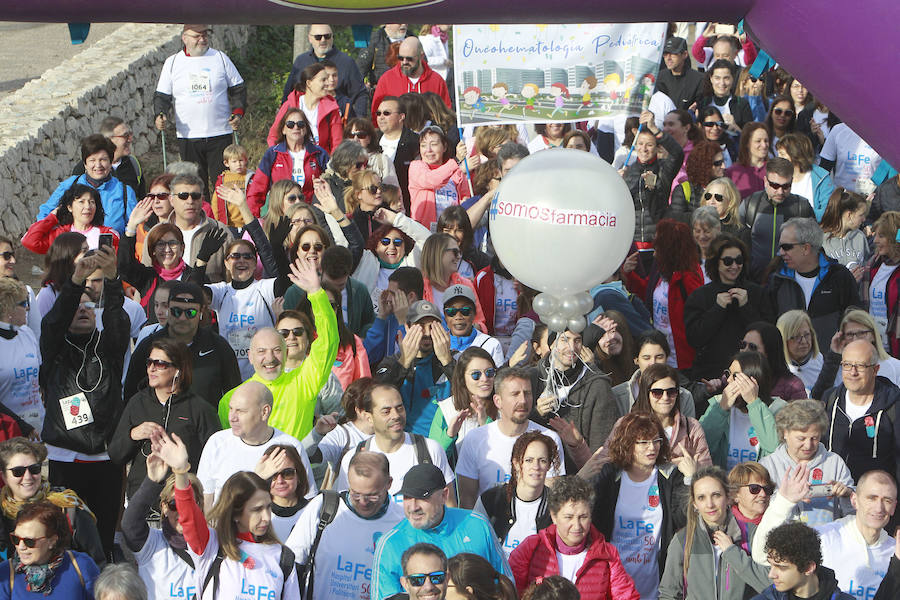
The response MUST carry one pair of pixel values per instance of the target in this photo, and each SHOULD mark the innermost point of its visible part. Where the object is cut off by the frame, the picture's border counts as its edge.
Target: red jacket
(395, 83)
(601, 577)
(484, 289)
(40, 235)
(277, 164)
(330, 125)
(681, 285)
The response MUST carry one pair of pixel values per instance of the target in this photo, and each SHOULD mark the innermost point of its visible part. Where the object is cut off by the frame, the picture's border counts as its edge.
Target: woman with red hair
(674, 276)
(705, 163)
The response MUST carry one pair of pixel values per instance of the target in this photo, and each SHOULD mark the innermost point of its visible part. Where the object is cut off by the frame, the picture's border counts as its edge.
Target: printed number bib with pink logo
(76, 411)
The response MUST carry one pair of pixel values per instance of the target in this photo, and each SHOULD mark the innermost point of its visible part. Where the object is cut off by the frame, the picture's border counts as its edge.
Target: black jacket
(371, 61)
(500, 511)
(650, 204)
(407, 151)
(684, 89)
(738, 106)
(713, 331)
(89, 366)
(673, 495)
(350, 81)
(890, 585)
(765, 220)
(215, 366)
(681, 205)
(186, 414)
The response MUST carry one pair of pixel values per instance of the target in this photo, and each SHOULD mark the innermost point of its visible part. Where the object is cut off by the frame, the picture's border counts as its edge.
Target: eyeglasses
(802, 337)
(418, 580)
(732, 260)
(385, 113)
(788, 246)
(657, 393)
(289, 473)
(387, 241)
(244, 255)
(856, 367)
(755, 488)
(455, 251)
(321, 36)
(488, 373)
(779, 186)
(189, 313)
(362, 164)
(191, 195)
(728, 375)
(26, 304)
(158, 364)
(711, 124)
(465, 310)
(432, 129)
(357, 497)
(29, 542)
(8, 255)
(160, 196)
(127, 135)
(783, 111)
(359, 134)
(297, 331)
(645, 443)
(199, 34)
(373, 189)
(302, 221)
(857, 334)
(406, 58)
(719, 163)
(745, 345)
(317, 247)
(88, 305)
(161, 245)
(297, 124)
(19, 471)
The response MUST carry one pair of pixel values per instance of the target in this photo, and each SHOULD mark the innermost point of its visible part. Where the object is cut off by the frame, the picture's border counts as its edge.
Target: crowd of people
(316, 379)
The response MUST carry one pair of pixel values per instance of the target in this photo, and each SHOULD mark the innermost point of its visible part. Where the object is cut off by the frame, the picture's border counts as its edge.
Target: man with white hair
(410, 74)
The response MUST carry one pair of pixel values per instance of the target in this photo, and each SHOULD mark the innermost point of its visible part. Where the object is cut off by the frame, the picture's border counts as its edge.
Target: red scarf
(167, 274)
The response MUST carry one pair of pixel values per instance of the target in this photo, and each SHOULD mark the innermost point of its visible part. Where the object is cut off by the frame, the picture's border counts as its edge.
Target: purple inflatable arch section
(845, 52)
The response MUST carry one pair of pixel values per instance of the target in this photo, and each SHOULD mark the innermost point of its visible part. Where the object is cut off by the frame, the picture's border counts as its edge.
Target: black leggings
(99, 484)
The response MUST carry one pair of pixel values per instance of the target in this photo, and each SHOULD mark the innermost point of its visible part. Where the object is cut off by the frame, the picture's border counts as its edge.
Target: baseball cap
(185, 291)
(675, 45)
(459, 291)
(422, 481)
(420, 309)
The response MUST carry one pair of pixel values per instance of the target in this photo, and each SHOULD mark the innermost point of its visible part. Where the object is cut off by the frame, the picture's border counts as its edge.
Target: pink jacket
(685, 430)
(348, 368)
(425, 180)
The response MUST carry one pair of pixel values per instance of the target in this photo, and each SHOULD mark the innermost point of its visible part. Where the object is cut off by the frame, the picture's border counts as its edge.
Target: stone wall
(41, 125)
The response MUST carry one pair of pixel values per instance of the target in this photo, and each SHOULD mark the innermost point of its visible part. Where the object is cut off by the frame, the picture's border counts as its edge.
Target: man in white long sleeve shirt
(855, 547)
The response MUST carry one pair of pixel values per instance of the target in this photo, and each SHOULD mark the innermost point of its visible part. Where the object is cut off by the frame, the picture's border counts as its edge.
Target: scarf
(96, 183)
(170, 274)
(61, 497)
(564, 548)
(742, 525)
(436, 31)
(38, 577)
(721, 101)
(389, 266)
(173, 538)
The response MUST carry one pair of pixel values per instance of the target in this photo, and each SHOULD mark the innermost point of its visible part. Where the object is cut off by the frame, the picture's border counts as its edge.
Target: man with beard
(411, 74)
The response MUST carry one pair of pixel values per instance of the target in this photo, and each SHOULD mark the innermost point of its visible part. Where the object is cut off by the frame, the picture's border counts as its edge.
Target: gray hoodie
(824, 467)
(852, 248)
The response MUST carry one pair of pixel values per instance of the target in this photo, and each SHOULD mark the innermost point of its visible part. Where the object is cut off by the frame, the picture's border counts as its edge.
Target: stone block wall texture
(42, 124)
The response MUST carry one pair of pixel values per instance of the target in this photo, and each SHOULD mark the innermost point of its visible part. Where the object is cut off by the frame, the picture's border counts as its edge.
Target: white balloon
(568, 307)
(545, 304)
(557, 323)
(576, 324)
(585, 302)
(562, 221)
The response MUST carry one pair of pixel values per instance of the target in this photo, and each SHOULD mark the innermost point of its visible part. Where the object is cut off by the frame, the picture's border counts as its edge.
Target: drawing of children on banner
(472, 98)
(645, 89)
(559, 93)
(499, 91)
(612, 82)
(587, 86)
(529, 91)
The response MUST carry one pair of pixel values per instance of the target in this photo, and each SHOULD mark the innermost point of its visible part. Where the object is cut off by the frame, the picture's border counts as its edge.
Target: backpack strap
(327, 512)
(213, 574)
(183, 555)
(286, 562)
(686, 188)
(422, 456)
(74, 565)
(752, 210)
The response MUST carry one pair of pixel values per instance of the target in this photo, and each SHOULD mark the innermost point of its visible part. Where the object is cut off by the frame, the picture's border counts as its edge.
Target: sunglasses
(288, 473)
(32, 542)
(787, 247)
(745, 345)
(297, 124)
(292, 198)
(359, 134)
(8, 255)
(159, 196)
(755, 488)
(719, 124)
(317, 247)
(732, 260)
(387, 241)
(488, 373)
(406, 58)
(88, 305)
(244, 255)
(190, 313)
(26, 304)
(657, 393)
(779, 186)
(455, 251)
(297, 331)
(418, 580)
(321, 36)
(719, 163)
(373, 189)
(158, 364)
(162, 245)
(191, 195)
(385, 113)
(783, 111)
(718, 197)
(465, 310)
(34, 469)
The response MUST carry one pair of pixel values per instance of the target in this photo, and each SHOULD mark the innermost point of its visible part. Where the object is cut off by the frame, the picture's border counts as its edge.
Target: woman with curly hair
(705, 163)
(673, 278)
(79, 210)
(749, 172)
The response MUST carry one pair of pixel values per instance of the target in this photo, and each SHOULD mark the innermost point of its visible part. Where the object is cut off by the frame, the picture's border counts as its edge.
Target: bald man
(240, 447)
(410, 74)
(855, 547)
(863, 425)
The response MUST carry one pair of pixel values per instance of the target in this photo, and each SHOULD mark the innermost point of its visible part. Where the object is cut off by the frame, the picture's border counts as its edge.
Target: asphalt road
(29, 49)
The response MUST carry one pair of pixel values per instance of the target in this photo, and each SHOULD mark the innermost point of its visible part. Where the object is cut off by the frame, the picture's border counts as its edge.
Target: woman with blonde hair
(723, 195)
(361, 199)
(801, 348)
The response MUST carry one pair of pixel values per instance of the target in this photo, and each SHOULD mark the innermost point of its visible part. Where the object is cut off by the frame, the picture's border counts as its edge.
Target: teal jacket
(716, 421)
(822, 185)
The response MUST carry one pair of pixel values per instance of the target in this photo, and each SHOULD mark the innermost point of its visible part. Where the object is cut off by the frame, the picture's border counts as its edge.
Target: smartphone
(820, 490)
(725, 29)
(106, 239)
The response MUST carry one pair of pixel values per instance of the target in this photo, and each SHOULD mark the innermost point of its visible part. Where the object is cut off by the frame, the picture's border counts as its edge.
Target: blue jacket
(381, 338)
(827, 582)
(118, 200)
(66, 583)
(459, 531)
(822, 187)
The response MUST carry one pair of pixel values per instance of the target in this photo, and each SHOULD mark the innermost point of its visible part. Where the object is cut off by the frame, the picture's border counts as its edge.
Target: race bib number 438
(76, 411)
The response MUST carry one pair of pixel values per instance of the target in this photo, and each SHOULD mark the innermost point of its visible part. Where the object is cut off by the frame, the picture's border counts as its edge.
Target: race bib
(200, 83)
(76, 411)
(239, 340)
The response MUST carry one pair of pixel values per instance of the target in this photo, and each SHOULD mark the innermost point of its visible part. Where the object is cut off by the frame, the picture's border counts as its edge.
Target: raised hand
(568, 432)
(460, 418)
(385, 216)
(212, 241)
(84, 266)
(141, 213)
(105, 258)
(304, 276)
(156, 468)
(686, 463)
(326, 423)
(631, 262)
(325, 199)
(409, 347)
(172, 450)
(546, 405)
(401, 306)
(269, 464)
(520, 354)
(593, 466)
(795, 483)
(440, 341)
